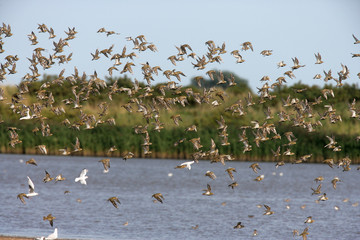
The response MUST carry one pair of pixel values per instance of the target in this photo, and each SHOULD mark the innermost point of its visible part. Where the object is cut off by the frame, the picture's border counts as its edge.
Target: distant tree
(240, 87)
(57, 90)
(124, 81)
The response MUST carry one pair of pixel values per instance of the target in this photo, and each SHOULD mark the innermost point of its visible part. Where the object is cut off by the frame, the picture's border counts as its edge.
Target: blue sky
(289, 28)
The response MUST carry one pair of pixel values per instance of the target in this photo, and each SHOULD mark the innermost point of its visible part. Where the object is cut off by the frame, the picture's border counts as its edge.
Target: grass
(98, 140)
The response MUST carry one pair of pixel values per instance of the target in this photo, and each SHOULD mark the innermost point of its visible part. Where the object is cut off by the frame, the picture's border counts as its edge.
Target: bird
(196, 143)
(42, 149)
(53, 235)
(49, 218)
(47, 177)
(111, 149)
(114, 201)
(64, 152)
(77, 147)
(106, 164)
(195, 227)
(280, 163)
(323, 197)
(334, 181)
(281, 64)
(309, 220)
(255, 167)
(82, 178)
(233, 185)
(277, 153)
(176, 118)
(191, 128)
(237, 55)
(33, 38)
(21, 197)
(319, 179)
(357, 41)
(266, 52)
(230, 171)
(31, 188)
(288, 152)
(332, 142)
(59, 178)
(246, 46)
(296, 64)
(159, 197)
(185, 165)
(268, 210)
(329, 162)
(238, 226)
(210, 174)
(127, 155)
(259, 178)
(51, 32)
(304, 233)
(318, 58)
(27, 115)
(317, 76)
(96, 55)
(317, 190)
(207, 192)
(31, 161)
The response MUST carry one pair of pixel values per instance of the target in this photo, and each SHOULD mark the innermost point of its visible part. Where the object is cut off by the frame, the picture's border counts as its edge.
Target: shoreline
(14, 238)
(5, 237)
(155, 155)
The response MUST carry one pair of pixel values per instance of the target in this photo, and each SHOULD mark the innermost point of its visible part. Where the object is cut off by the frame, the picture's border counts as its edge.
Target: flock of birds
(143, 101)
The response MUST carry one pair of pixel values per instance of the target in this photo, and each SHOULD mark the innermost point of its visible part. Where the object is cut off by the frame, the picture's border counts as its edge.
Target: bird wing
(355, 38)
(31, 185)
(83, 181)
(83, 173)
(267, 207)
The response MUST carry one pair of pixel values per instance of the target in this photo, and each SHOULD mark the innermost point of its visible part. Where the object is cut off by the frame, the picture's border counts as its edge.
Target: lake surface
(134, 182)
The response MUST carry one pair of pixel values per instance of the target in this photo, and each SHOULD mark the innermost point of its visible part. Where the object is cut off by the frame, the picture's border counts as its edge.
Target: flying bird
(59, 178)
(31, 161)
(159, 197)
(47, 177)
(309, 220)
(31, 188)
(49, 218)
(106, 164)
(268, 210)
(185, 165)
(230, 171)
(238, 225)
(114, 201)
(82, 178)
(210, 174)
(53, 235)
(207, 191)
(255, 167)
(21, 197)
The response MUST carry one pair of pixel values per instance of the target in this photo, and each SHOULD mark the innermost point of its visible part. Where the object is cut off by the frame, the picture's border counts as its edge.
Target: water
(136, 180)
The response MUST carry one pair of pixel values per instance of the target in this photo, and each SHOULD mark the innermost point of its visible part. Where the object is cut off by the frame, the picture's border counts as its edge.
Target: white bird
(82, 178)
(185, 165)
(31, 188)
(54, 235)
(27, 116)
